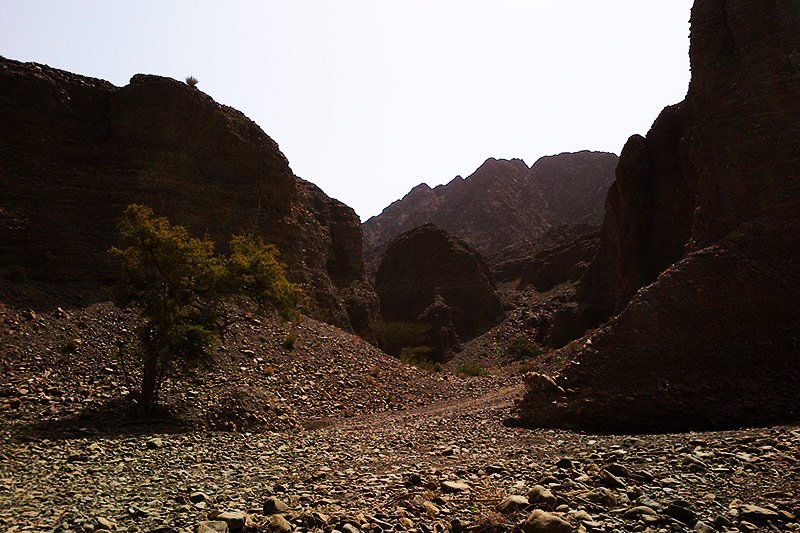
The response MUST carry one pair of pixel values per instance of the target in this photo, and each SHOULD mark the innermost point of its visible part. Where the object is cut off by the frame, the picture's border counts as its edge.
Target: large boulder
(76, 150)
(700, 250)
(426, 262)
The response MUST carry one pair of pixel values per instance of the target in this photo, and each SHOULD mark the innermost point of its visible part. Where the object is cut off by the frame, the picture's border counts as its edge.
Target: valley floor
(347, 438)
(385, 471)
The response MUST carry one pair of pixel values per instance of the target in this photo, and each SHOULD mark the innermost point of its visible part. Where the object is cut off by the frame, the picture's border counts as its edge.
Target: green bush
(289, 342)
(70, 345)
(418, 356)
(472, 368)
(522, 348)
(398, 335)
(180, 287)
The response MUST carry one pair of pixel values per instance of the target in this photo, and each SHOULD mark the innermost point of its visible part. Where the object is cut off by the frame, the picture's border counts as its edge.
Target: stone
(279, 524)
(105, 524)
(273, 505)
(681, 514)
(543, 522)
(541, 496)
(512, 503)
(756, 514)
(640, 510)
(564, 462)
(213, 526)
(541, 383)
(405, 523)
(702, 527)
(198, 497)
(611, 480)
(603, 496)
(236, 520)
(154, 443)
(454, 486)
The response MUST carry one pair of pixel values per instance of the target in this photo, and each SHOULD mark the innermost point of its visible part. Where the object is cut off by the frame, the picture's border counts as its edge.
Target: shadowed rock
(426, 262)
(75, 151)
(700, 250)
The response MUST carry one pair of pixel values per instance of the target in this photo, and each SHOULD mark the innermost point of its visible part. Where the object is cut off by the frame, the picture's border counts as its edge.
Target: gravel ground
(390, 471)
(341, 437)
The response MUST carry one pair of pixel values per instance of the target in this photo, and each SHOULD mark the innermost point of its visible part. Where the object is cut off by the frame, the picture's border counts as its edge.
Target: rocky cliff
(700, 248)
(503, 205)
(75, 151)
(425, 270)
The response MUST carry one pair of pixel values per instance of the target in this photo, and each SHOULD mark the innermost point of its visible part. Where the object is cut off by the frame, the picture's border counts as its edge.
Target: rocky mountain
(502, 205)
(429, 277)
(699, 257)
(76, 150)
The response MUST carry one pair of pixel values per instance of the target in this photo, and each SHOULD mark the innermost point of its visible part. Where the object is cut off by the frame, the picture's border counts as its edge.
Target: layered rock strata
(76, 150)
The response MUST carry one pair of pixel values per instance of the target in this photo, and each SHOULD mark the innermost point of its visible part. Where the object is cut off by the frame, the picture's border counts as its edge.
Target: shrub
(191, 81)
(15, 274)
(398, 335)
(289, 342)
(418, 357)
(522, 348)
(71, 345)
(472, 368)
(180, 288)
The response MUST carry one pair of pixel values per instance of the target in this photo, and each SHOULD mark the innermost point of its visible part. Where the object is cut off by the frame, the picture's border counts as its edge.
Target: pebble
(543, 522)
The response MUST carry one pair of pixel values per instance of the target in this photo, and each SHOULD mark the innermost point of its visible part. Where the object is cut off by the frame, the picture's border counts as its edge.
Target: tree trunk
(149, 392)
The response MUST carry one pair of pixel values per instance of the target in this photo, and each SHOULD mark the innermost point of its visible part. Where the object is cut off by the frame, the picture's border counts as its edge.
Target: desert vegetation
(179, 287)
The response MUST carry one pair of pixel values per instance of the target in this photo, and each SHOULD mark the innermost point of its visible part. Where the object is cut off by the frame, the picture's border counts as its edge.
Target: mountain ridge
(502, 205)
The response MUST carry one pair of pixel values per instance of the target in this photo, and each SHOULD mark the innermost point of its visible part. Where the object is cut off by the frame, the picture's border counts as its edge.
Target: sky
(368, 98)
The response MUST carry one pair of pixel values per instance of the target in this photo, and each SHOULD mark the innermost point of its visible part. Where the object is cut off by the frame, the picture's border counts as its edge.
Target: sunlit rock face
(699, 260)
(75, 151)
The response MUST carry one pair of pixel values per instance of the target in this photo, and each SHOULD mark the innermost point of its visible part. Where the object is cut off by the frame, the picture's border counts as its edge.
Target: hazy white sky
(368, 98)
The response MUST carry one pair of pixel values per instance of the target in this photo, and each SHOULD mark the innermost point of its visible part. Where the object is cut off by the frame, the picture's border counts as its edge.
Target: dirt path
(502, 398)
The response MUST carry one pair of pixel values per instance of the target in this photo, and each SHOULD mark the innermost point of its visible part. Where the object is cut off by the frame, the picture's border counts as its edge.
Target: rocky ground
(334, 435)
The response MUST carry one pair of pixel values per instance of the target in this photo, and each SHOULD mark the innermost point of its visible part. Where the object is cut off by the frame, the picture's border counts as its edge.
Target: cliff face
(503, 205)
(699, 247)
(75, 151)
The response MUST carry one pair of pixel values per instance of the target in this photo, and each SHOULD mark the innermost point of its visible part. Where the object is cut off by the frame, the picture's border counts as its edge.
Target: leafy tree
(180, 287)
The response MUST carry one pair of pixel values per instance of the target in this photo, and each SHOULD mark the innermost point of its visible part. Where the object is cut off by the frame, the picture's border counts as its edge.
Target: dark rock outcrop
(552, 266)
(503, 205)
(440, 336)
(75, 151)
(700, 250)
(427, 262)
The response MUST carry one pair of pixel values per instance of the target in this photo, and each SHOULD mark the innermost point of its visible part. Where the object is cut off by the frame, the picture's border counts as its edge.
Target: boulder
(427, 262)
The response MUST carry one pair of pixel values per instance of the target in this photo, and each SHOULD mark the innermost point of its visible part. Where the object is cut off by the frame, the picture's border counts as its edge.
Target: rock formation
(502, 205)
(76, 150)
(700, 248)
(427, 263)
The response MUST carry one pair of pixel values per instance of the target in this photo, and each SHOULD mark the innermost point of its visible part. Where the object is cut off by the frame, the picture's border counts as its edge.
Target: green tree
(180, 287)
